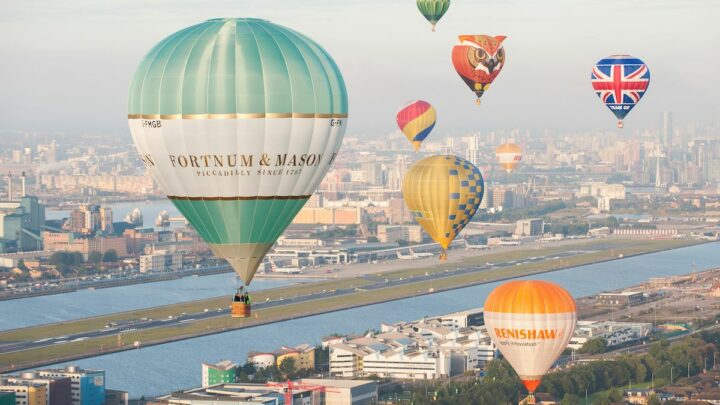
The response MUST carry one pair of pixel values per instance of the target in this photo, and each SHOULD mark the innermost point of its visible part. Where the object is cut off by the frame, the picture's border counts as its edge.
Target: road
(378, 282)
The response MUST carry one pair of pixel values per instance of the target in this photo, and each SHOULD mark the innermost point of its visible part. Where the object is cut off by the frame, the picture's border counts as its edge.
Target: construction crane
(289, 386)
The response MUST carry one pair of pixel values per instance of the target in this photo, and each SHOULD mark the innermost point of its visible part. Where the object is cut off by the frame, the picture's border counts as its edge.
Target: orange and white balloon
(531, 322)
(509, 156)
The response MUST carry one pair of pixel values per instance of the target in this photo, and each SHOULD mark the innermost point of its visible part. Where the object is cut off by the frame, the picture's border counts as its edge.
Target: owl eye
(501, 54)
(481, 54)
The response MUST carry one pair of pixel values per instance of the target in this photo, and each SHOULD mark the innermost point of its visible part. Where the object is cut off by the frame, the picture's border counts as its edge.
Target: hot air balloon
(509, 156)
(238, 120)
(443, 193)
(416, 119)
(478, 60)
(620, 81)
(531, 322)
(433, 10)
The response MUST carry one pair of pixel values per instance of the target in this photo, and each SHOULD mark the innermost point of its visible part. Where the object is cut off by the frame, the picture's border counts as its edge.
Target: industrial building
(21, 222)
(425, 349)
(346, 392)
(622, 299)
(393, 233)
(238, 394)
(303, 355)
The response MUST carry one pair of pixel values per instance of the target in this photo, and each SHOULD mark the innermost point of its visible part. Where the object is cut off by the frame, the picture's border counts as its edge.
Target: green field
(597, 251)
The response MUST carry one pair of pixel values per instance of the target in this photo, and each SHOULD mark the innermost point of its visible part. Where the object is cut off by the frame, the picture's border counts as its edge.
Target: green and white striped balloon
(238, 120)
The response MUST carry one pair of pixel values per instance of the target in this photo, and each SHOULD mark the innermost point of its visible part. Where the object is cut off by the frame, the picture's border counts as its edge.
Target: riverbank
(593, 251)
(150, 278)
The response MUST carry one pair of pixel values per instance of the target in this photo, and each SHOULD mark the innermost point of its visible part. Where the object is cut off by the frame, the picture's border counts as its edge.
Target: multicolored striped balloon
(416, 119)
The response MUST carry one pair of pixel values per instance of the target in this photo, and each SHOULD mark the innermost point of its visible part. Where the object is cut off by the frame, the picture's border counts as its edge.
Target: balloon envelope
(433, 10)
(620, 81)
(416, 120)
(509, 156)
(531, 322)
(443, 193)
(238, 120)
(478, 59)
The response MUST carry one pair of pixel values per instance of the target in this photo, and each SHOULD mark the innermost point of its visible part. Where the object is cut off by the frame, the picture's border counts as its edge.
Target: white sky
(66, 65)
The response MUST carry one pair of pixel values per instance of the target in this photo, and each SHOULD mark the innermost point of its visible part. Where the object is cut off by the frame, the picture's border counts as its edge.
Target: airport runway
(379, 282)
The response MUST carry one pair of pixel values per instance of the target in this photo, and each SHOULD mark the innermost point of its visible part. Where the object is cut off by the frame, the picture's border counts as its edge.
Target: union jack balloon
(620, 81)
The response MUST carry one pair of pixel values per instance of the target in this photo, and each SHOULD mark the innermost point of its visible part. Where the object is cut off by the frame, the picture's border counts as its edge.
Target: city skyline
(81, 56)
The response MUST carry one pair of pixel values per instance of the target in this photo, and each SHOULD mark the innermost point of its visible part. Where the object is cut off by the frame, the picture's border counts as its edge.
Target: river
(39, 310)
(161, 369)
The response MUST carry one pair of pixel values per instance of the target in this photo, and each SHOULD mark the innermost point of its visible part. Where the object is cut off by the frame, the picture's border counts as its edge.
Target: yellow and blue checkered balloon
(443, 193)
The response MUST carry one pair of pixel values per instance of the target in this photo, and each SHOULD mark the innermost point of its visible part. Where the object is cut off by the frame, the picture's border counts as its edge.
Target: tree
(594, 346)
(570, 399)
(95, 257)
(21, 265)
(654, 400)
(287, 368)
(110, 256)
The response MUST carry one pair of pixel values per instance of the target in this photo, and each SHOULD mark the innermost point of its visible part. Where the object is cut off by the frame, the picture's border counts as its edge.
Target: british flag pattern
(620, 81)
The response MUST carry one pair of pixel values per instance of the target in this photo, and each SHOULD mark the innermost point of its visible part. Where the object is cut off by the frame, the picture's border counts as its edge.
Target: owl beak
(491, 65)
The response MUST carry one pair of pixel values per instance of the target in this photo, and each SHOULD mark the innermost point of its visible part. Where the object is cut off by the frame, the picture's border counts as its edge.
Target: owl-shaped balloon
(478, 60)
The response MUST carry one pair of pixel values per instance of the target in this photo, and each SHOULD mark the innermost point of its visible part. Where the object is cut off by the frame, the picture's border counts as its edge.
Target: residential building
(87, 386)
(57, 389)
(161, 260)
(7, 398)
(219, 373)
(26, 393)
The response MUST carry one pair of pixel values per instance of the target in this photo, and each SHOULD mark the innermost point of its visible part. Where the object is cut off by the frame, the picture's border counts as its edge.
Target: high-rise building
(667, 131)
(529, 227)
(472, 154)
(87, 386)
(373, 173)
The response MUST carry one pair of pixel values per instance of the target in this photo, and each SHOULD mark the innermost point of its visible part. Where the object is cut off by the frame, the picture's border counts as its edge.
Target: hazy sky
(66, 65)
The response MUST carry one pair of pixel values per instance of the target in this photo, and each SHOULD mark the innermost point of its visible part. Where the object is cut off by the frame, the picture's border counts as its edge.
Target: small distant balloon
(478, 59)
(433, 10)
(416, 120)
(620, 81)
(509, 156)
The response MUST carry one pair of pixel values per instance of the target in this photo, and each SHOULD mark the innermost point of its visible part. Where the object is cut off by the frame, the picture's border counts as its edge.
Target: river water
(161, 369)
(39, 310)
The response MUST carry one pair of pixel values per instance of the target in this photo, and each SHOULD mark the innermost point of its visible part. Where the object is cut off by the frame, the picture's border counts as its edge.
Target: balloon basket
(620, 124)
(240, 310)
(530, 400)
(443, 256)
(433, 28)
(477, 101)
